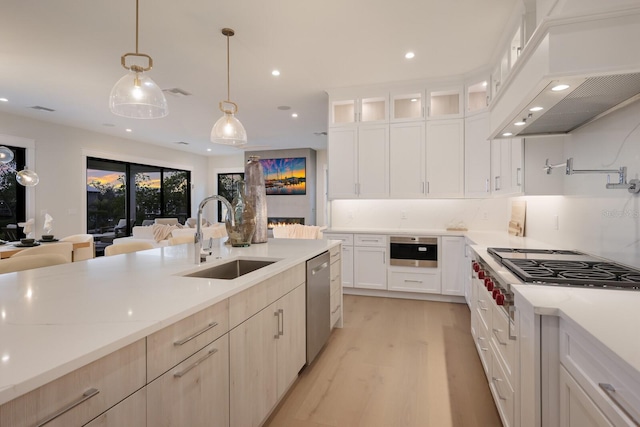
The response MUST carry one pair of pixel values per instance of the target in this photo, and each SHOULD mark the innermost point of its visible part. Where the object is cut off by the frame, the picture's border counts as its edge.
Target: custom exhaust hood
(573, 70)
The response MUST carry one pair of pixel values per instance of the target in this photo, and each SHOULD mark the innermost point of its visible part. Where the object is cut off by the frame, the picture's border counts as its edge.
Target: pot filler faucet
(632, 186)
(198, 238)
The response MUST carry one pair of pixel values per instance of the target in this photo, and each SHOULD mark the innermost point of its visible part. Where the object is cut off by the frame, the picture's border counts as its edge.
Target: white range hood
(595, 55)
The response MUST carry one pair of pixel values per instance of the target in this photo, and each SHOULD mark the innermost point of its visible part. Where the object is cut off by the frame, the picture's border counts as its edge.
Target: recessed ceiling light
(275, 73)
(534, 109)
(484, 84)
(558, 88)
(414, 99)
(294, 115)
(409, 55)
(4, 100)
(208, 149)
(522, 123)
(128, 130)
(507, 134)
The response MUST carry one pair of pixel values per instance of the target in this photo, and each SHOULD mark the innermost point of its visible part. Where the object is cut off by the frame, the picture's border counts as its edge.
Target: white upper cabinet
(406, 160)
(477, 156)
(445, 102)
(407, 106)
(445, 158)
(345, 111)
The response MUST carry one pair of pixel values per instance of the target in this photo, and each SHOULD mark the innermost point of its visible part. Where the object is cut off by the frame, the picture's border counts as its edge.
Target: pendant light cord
(137, 26)
(228, 72)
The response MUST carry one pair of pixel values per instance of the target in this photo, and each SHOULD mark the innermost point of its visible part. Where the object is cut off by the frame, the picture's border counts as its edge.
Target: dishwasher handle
(319, 268)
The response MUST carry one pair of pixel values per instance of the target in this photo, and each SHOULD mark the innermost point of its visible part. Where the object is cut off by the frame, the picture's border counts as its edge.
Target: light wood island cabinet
(78, 397)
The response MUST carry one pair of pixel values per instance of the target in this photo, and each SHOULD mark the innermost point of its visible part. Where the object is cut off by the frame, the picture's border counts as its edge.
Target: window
(119, 190)
(12, 196)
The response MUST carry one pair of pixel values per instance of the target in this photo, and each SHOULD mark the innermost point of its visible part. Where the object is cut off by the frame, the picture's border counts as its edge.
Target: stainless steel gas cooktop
(566, 268)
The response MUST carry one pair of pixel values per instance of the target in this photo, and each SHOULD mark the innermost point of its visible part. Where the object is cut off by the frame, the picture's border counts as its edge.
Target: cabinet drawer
(336, 307)
(594, 367)
(130, 412)
(370, 240)
(195, 392)
(336, 277)
(347, 239)
(334, 253)
(484, 349)
(500, 338)
(171, 345)
(81, 395)
(414, 282)
(503, 392)
(484, 305)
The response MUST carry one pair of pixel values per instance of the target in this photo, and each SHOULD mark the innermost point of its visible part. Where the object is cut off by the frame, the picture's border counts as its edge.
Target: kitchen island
(56, 320)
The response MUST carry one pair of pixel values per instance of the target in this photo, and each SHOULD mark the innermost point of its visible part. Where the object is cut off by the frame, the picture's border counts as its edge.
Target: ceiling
(65, 55)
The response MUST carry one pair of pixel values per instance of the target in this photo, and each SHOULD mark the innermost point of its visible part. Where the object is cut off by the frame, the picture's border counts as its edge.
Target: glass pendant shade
(137, 96)
(27, 178)
(228, 130)
(6, 155)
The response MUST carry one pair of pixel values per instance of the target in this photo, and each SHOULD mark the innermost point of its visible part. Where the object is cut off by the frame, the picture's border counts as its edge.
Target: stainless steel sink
(231, 270)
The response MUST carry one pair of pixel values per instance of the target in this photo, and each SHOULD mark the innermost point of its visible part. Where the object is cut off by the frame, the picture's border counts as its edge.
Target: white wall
(590, 217)
(60, 161)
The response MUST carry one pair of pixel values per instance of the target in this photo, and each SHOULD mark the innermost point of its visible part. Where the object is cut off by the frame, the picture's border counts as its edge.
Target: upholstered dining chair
(60, 248)
(127, 247)
(13, 264)
(167, 221)
(81, 254)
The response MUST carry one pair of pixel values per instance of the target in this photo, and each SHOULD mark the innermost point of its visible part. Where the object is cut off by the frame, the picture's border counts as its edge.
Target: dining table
(11, 248)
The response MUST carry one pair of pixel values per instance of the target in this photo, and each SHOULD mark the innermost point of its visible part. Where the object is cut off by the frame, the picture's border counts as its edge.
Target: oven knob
(500, 299)
(476, 266)
(495, 294)
(490, 286)
(487, 279)
(481, 274)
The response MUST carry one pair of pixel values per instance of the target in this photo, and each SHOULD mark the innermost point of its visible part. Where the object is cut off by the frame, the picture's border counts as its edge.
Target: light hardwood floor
(396, 363)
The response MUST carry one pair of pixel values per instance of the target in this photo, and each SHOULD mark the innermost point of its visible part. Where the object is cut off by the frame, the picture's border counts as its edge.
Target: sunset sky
(111, 178)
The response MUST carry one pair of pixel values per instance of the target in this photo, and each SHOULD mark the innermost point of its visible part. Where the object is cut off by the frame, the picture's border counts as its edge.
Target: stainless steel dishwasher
(318, 304)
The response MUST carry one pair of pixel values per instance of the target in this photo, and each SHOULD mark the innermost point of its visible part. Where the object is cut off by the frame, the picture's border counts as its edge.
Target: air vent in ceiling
(181, 143)
(176, 91)
(40, 108)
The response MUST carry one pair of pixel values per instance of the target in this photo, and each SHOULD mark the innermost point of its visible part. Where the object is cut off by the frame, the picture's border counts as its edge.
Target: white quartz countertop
(609, 316)
(54, 320)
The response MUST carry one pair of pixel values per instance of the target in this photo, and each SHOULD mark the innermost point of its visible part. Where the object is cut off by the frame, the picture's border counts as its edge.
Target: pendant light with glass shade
(228, 130)
(136, 95)
(25, 177)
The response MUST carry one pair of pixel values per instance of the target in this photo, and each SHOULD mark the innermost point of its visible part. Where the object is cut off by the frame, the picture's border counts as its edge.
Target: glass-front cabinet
(407, 106)
(445, 103)
(477, 96)
(348, 111)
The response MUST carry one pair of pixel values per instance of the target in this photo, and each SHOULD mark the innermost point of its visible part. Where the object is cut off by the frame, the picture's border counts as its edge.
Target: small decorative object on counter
(257, 193)
(241, 233)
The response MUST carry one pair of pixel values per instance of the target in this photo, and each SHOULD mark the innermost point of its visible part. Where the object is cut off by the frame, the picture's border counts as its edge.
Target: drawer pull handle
(187, 339)
(370, 240)
(412, 281)
(496, 381)
(480, 305)
(497, 333)
(336, 310)
(619, 400)
(210, 353)
(85, 396)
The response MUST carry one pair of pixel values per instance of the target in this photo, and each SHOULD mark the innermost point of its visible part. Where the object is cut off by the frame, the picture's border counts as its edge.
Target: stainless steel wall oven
(412, 251)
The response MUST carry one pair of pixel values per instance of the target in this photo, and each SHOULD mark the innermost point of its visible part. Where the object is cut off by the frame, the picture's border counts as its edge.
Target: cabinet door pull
(85, 396)
(497, 185)
(480, 339)
(281, 325)
(200, 332)
(277, 314)
(496, 381)
(412, 281)
(621, 402)
(210, 353)
(518, 176)
(336, 310)
(497, 332)
(486, 185)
